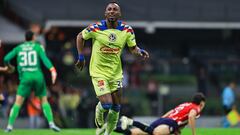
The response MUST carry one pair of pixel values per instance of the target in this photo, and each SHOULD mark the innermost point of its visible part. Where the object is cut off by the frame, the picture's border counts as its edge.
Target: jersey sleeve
(131, 41)
(197, 109)
(47, 63)
(10, 56)
(87, 33)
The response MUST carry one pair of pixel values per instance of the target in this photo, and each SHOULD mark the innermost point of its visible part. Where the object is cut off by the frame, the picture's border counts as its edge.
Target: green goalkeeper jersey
(107, 48)
(28, 57)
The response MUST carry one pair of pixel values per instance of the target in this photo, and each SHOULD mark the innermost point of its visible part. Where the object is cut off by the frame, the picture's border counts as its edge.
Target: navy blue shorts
(173, 126)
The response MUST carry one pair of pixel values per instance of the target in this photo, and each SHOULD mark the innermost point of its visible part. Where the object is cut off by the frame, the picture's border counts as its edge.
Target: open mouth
(111, 19)
(111, 16)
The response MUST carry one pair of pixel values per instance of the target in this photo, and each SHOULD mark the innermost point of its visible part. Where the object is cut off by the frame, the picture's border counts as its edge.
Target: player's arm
(192, 120)
(80, 45)
(139, 52)
(132, 45)
(10, 68)
(4, 69)
(9, 57)
(48, 64)
(166, 114)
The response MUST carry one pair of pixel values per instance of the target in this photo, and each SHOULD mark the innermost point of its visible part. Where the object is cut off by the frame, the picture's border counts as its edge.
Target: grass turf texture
(187, 131)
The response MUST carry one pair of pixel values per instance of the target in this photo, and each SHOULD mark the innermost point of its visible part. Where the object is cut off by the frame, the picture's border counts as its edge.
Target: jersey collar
(120, 25)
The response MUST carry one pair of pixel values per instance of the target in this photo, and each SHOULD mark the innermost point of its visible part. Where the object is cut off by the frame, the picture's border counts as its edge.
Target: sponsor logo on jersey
(112, 37)
(109, 50)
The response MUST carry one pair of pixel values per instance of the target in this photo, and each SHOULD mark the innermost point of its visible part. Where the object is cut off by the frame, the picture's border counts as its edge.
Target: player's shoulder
(94, 27)
(37, 46)
(186, 104)
(19, 46)
(194, 107)
(125, 24)
(124, 27)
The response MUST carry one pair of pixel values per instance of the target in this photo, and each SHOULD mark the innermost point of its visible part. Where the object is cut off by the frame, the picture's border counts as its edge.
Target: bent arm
(47, 63)
(80, 43)
(139, 52)
(4, 69)
(9, 57)
(135, 50)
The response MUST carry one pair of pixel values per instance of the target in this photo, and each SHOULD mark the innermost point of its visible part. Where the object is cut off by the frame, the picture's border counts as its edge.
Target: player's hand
(1, 97)
(4, 69)
(81, 62)
(53, 75)
(10, 69)
(144, 54)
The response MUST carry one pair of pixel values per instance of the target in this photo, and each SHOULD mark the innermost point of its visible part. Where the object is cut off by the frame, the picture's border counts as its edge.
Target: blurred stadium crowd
(182, 62)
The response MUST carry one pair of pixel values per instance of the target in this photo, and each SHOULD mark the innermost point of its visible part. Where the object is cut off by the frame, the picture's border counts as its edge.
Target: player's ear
(105, 14)
(120, 15)
(202, 103)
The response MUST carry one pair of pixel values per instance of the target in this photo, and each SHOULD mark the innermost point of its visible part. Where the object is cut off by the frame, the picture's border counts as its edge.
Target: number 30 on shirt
(28, 58)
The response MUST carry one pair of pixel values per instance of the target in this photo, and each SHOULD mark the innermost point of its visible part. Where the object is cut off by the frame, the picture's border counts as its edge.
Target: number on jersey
(28, 58)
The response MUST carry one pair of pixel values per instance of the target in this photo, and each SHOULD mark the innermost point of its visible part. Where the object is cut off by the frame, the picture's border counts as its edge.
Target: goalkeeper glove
(53, 74)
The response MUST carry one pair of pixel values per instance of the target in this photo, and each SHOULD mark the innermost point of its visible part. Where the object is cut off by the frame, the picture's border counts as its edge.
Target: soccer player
(228, 101)
(109, 37)
(31, 77)
(170, 123)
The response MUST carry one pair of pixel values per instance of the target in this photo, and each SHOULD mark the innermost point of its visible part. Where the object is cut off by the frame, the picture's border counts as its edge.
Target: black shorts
(173, 126)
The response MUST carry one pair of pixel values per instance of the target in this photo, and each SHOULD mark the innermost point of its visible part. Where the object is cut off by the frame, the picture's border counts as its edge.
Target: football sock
(143, 127)
(13, 114)
(111, 121)
(47, 112)
(99, 115)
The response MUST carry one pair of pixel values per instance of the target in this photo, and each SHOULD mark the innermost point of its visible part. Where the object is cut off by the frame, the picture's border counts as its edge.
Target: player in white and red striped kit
(170, 123)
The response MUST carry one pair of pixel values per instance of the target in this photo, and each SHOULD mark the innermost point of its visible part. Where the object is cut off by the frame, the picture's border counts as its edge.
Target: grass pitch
(187, 131)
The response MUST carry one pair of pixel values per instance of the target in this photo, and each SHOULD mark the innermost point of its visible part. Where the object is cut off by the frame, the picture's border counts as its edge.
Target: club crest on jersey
(112, 37)
(100, 83)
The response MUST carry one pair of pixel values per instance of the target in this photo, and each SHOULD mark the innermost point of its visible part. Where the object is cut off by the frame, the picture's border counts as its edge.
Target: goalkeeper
(31, 77)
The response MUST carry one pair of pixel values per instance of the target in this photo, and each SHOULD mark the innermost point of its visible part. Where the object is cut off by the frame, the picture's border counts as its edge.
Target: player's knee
(155, 132)
(106, 106)
(116, 107)
(161, 130)
(44, 99)
(19, 100)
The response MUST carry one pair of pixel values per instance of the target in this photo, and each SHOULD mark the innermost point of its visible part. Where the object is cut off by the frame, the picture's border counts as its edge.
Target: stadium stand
(156, 10)
(10, 32)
